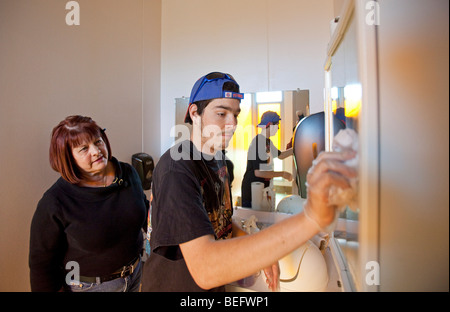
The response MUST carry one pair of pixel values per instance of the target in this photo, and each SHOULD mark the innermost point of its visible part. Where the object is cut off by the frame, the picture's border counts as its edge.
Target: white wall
(105, 68)
(151, 78)
(267, 45)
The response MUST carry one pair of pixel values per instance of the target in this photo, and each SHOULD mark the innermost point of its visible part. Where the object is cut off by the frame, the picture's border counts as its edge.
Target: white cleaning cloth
(346, 140)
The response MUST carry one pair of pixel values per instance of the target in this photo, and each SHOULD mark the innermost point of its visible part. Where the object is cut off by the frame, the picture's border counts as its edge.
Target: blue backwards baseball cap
(210, 87)
(269, 118)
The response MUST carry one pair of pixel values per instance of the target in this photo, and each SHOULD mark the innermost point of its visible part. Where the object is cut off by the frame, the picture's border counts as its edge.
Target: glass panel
(244, 131)
(238, 147)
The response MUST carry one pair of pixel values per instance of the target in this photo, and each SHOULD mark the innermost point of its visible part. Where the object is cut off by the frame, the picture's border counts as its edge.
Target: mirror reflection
(346, 95)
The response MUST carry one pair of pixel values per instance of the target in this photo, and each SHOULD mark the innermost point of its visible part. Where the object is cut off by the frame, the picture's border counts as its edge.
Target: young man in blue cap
(261, 153)
(192, 248)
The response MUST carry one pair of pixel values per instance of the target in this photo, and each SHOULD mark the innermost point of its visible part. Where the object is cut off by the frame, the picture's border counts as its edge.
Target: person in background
(193, 241)
(261, 153)
(86, 232)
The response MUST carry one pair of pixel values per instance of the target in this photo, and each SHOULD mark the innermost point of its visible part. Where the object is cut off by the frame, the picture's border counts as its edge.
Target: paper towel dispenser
(144, 165)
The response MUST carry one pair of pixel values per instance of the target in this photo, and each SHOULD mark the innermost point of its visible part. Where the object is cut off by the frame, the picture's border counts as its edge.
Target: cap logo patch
(233, 95)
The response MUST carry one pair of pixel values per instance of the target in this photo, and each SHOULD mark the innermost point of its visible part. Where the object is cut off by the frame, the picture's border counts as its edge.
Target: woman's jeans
(131, 283)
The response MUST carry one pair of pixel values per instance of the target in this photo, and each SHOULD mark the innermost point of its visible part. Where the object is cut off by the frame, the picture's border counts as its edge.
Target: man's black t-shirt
(191, 198)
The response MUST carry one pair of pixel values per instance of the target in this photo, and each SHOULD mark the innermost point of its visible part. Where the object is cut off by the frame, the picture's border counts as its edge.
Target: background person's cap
(269, 118)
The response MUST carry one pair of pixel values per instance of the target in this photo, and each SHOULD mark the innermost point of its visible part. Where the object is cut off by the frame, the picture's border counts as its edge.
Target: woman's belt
(121, 273)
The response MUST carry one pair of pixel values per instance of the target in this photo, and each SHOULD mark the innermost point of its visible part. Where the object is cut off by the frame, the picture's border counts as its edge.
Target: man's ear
(193, 112)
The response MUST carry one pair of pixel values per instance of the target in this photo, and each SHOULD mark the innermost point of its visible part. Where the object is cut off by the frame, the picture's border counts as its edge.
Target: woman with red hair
(86, 231)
